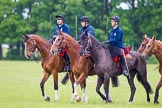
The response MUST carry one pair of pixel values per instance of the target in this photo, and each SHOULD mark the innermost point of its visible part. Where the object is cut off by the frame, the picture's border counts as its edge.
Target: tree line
(19, 17)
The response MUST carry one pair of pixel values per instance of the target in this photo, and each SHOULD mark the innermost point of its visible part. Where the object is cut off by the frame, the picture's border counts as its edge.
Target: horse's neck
(158, 51)
(100, 54)
(43, 47)
(74, 52)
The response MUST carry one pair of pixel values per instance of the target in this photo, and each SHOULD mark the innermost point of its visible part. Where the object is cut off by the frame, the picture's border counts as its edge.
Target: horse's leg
(44, 79)
(84, 96)
(71, 77)
(106, 87)
(132, 86)
(143, 79)
(82, 81)
(157, 91)
(65, 79)
(99, 84)
(55, 78)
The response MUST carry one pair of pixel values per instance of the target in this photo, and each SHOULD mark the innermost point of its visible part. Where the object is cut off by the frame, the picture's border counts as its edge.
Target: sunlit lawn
(19, 88)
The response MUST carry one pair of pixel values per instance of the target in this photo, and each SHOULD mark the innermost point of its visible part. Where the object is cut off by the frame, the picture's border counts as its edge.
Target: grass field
(19, 88)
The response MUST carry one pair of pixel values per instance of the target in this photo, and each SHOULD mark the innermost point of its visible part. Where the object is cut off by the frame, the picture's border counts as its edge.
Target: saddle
(125, 54)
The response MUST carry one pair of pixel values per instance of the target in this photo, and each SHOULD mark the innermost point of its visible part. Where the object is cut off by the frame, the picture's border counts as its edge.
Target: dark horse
(81, 66)
(105, 66)
(50, 64)
(154, 47)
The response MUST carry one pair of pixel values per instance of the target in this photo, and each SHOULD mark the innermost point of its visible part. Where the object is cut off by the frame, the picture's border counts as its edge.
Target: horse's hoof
(47, 99)
(156, 102)
(78, 99)
(130, 102)
(147, 102)
(110, 101)
(56, 99)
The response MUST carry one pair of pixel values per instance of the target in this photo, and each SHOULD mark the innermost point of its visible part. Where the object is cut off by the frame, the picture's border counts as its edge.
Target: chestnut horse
(82, 67)
(154, 47)
(50, 64)
(105, 66)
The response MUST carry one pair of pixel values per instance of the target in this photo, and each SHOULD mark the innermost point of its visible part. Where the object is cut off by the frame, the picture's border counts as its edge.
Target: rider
(86, 26)
(62, 26)
(116, 42)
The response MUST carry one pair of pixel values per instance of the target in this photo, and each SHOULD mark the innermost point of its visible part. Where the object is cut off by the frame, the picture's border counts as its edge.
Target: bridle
(33, 47)
(143, 45)
(61, 42)
(32, 50)
(89, 47)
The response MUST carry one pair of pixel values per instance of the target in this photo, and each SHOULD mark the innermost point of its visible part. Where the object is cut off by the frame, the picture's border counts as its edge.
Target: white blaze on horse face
(54, 42)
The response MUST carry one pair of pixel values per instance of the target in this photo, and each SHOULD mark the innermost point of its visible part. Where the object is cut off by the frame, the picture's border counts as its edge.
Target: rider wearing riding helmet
(62, 26)
(116, 42)
(86, 26)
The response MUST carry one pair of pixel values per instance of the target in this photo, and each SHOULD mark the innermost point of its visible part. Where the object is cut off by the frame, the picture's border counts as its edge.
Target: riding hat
(84, 19)
(59, 17)
(115, 18)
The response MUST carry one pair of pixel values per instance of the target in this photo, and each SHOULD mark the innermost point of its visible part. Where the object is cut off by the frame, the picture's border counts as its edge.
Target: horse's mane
(68, 36)
(37, 36)
(97, 42)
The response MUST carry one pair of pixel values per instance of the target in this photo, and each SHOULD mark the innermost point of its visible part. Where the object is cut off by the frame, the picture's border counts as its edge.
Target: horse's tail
(145, 84)
(115, 81)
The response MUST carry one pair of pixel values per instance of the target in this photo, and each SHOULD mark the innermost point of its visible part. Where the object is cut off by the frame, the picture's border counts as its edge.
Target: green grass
(19, 88)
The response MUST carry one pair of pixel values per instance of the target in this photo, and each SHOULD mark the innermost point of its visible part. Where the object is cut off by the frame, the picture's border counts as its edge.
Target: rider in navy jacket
(62, 26)
(86, 26)
(116, 37)
(116, 43)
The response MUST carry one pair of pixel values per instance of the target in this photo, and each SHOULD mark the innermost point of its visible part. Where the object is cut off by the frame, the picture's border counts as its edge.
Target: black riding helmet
(59, 17)
(84, 19)
(115, 18)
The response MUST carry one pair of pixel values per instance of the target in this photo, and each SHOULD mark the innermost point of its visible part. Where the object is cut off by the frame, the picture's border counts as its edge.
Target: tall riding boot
(67, 62)
(123, 65)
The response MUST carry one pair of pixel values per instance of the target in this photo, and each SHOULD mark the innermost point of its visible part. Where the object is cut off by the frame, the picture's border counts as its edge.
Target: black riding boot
(67, 62)
(123, 65)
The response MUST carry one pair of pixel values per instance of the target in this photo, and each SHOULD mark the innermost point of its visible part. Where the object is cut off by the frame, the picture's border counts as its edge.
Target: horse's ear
(25, 36)
(153, 37)
(86, 33)
(59, 32)
(145, 36)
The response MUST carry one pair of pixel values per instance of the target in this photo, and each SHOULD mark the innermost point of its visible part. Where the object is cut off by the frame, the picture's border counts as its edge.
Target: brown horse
(50, 64)
(155, 47)
(143, 44)
(81, 66)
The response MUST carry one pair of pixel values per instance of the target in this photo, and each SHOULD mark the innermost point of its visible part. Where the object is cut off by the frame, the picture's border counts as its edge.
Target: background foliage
(19, 17)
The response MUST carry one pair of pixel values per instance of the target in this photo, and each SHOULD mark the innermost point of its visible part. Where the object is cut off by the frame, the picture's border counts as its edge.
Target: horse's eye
(149, 46)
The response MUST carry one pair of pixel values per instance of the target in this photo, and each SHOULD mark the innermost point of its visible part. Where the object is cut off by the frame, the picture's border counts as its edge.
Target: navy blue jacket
(116, 37)
(64, 28)
(89, 29)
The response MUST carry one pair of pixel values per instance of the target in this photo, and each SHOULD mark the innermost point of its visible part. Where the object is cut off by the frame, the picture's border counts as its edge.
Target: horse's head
(85, 44)
(143, 44)
(149, 49)
(58, 44)
(30, 46)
